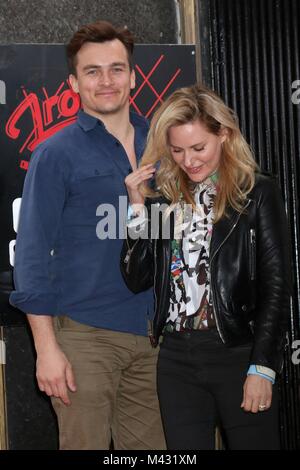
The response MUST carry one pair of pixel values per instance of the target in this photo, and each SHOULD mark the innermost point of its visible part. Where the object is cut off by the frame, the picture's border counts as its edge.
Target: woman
(221, 279)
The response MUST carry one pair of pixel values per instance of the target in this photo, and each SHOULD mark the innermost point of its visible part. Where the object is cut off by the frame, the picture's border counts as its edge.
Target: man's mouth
(106, 93)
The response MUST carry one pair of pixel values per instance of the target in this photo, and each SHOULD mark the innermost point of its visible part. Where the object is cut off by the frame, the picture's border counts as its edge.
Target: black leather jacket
(249, 271)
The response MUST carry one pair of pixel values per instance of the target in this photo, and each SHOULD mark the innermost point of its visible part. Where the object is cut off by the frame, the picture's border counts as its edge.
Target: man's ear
(132, 79)
(74, 83)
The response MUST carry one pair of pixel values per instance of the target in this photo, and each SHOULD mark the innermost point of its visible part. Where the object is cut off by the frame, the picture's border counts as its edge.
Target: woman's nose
(188, 159)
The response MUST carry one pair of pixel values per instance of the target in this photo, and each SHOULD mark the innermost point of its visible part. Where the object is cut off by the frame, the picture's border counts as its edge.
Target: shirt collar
(88, 122)
(211, 182)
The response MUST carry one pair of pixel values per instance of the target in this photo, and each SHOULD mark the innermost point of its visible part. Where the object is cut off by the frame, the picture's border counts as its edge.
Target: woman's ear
(224, 133)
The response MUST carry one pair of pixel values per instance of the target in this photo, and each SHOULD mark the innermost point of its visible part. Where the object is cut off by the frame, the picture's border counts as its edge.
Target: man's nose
(106, 77)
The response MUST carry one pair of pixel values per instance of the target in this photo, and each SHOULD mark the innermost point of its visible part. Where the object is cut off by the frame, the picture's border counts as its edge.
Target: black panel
(31, 423)
(39, 72)
(250, 56)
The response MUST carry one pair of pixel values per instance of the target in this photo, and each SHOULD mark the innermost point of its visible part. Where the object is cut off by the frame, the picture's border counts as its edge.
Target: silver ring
(262, 407)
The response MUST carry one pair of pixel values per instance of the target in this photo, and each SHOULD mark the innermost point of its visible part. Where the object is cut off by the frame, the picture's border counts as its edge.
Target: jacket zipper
(210, 267)
(128, 255)
(252, 254)
(151, 333)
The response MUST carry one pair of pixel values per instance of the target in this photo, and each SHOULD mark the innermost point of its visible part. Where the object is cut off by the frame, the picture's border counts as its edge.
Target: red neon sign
(63, 106)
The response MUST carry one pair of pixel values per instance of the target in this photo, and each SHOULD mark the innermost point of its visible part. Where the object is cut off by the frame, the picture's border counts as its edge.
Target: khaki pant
(116, 396)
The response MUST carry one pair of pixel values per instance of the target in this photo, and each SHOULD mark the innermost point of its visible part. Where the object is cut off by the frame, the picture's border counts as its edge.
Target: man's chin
(109, 110)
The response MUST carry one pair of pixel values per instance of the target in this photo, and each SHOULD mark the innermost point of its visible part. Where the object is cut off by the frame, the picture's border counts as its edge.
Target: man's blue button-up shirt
(71, 194)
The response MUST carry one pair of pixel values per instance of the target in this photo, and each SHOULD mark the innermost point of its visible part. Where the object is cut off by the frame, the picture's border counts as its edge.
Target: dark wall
(250, 56)
(31, 423)
(54, 21)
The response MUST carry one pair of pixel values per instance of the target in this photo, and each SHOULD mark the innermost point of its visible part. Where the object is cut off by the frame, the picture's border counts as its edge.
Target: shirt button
(244, 308)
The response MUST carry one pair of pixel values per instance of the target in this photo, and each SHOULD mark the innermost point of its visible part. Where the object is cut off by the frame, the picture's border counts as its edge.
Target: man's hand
(54, 374)
(257, 394)
(53, 370)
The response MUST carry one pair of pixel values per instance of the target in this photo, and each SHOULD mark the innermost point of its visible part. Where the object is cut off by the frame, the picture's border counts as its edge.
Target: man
(90, 332)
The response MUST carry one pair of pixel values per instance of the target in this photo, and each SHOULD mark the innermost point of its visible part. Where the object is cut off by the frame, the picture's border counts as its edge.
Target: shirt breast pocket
(93, 187)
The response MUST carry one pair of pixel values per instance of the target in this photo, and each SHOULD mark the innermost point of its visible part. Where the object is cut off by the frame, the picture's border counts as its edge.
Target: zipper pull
(150, 333)
(252, 254)
(126, 259)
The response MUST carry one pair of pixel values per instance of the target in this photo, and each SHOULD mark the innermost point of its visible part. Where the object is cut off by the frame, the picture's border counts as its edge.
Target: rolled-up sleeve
(42, 206)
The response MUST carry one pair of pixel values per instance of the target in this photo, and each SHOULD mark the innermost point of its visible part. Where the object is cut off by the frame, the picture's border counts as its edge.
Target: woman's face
(196, 150)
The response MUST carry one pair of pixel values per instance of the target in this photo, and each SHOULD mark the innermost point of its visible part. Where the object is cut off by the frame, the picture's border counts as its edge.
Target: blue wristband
(262, 372)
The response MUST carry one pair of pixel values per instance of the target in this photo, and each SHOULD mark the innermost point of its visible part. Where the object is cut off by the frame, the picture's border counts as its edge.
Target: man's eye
(91, 72)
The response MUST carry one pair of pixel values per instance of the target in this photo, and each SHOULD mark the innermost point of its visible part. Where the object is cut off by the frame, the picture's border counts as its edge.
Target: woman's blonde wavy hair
(236, 173)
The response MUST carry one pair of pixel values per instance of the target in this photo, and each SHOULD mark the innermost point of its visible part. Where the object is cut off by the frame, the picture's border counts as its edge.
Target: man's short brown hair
(99, 31)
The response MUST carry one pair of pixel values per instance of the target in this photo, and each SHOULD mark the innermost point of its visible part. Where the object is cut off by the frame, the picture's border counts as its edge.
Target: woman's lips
(193, 170)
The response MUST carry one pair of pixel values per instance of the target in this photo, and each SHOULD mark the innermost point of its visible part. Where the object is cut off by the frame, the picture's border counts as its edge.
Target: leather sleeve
(274, 277)
(136, 261)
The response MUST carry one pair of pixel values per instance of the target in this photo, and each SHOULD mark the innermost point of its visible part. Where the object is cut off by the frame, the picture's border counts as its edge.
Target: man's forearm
(42, 331)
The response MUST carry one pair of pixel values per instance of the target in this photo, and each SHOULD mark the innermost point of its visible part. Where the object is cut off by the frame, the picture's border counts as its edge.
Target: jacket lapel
(223, 228)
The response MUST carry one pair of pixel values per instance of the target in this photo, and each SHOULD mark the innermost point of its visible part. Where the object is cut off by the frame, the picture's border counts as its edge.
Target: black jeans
(200, 384)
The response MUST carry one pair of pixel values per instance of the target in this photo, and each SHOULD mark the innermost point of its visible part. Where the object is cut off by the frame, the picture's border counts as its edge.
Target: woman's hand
(134, 180)
(257, 394)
